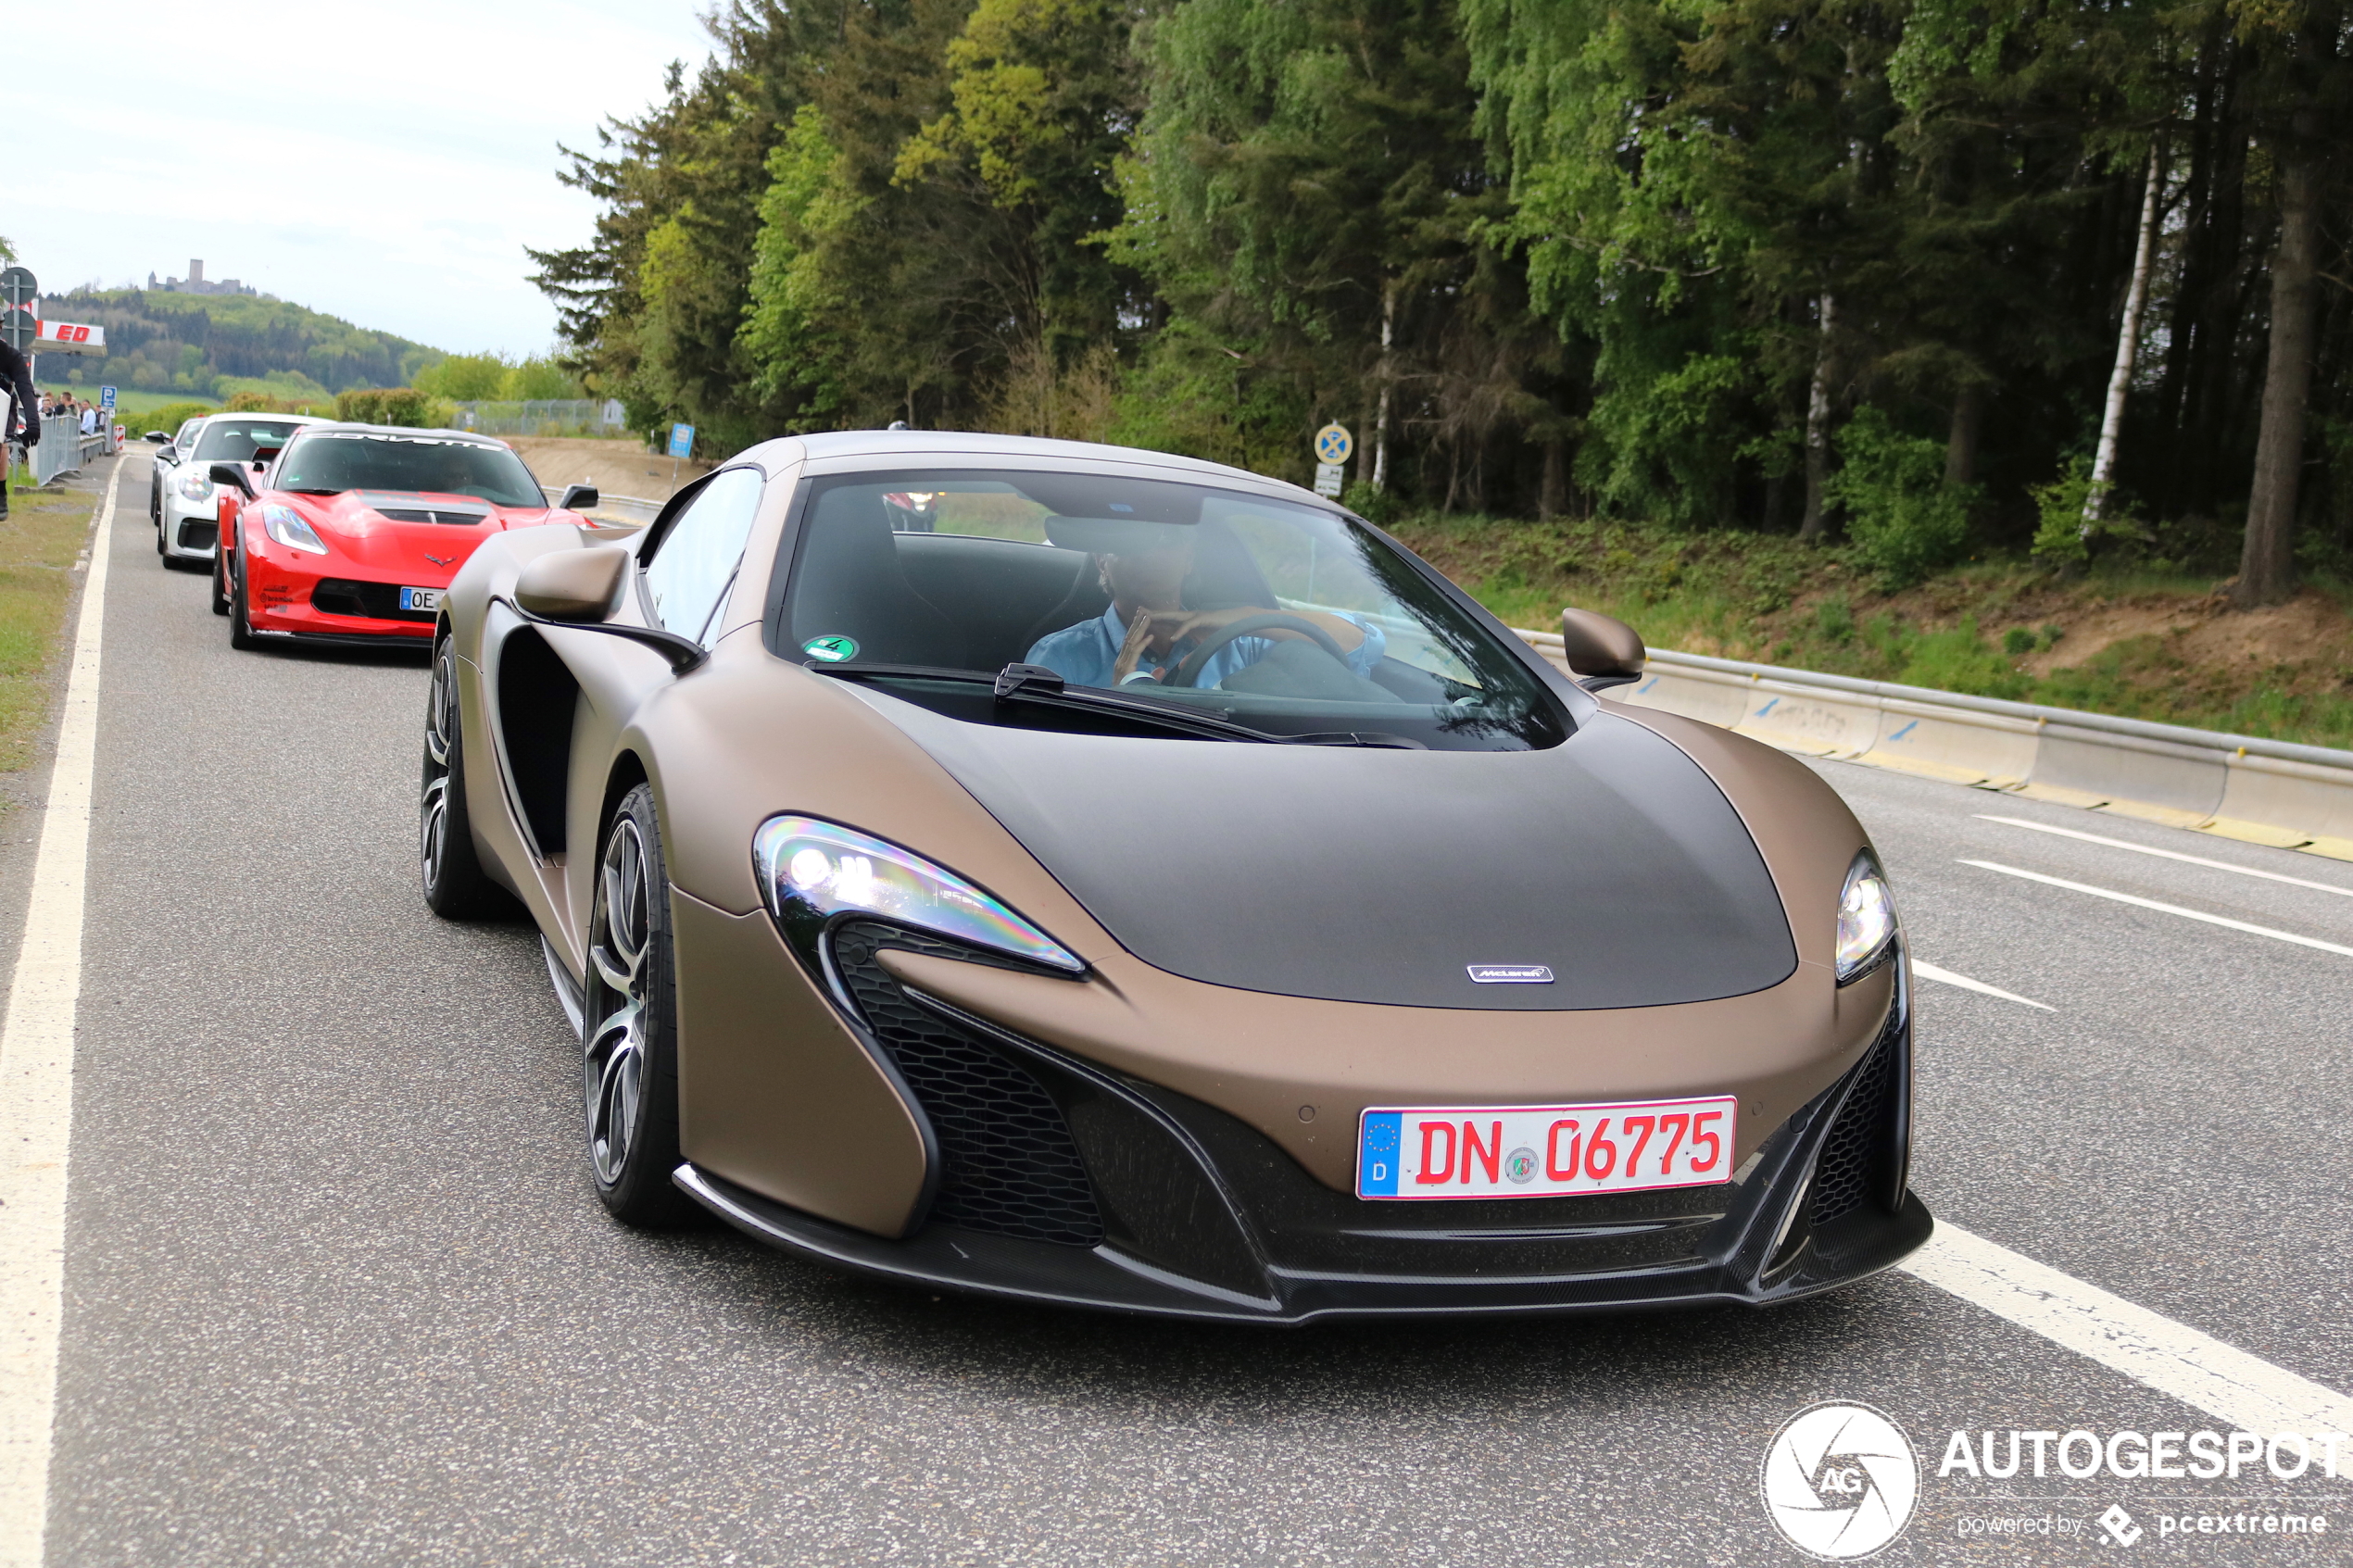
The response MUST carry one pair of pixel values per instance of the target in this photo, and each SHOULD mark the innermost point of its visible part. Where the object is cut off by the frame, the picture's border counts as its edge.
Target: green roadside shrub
(393, 406)
(167, 418)
(1905, 521)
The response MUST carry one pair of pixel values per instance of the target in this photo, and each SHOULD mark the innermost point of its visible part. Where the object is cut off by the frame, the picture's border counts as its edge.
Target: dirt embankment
(616, 468)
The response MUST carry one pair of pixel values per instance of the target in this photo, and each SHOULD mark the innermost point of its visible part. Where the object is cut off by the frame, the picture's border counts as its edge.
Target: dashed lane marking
(1946, 977)
(2165, 909)
(2168, 854)
(2173, 1358)
(36, 1090)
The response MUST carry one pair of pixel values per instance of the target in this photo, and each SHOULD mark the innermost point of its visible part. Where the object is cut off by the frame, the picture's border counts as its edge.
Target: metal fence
(564, 416)
(64, 449)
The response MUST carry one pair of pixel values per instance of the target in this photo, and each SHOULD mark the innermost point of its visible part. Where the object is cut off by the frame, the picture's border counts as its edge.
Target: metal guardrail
(2246, 787)
(559, 416)
(631, 510)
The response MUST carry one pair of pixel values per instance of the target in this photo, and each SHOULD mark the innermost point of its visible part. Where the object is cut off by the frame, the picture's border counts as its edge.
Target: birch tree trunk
(2128, 348)
(2267, 562)
(1381, 417)
(1817, 428)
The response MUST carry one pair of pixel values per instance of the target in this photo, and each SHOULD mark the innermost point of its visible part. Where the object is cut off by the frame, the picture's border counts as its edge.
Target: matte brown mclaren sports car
(1098, 877)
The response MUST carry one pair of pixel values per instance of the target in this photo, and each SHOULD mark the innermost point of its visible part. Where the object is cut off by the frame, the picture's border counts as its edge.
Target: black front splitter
(941, 1257)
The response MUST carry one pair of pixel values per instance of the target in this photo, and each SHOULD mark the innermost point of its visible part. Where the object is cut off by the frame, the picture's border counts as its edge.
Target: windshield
(1285, 619)
(336, 461)
(235, 441)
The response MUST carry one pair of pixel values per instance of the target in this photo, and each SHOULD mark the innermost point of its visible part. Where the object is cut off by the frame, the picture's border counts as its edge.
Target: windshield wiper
(305, 490)
(1030, 683)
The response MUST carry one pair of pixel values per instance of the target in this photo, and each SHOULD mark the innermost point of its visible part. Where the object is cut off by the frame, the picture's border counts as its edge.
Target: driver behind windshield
(1147, 631)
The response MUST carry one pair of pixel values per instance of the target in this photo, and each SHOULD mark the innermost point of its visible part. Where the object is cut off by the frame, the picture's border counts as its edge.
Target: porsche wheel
(219, 582)
(456, 887)
(630, 1081)
(240, 625)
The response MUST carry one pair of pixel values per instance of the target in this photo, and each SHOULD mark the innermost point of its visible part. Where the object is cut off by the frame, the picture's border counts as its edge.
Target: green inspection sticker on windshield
(833, 648)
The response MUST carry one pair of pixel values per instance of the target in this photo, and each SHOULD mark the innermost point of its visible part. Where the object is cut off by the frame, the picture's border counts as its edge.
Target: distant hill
(158, 341)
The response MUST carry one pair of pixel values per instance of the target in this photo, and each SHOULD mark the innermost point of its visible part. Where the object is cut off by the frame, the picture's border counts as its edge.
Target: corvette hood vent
(1384, 876)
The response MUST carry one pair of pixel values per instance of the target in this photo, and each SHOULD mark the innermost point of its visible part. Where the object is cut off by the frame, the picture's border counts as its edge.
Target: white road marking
(2173, 1358)
(1946, 977)
(2169, 854)
(2167, 909)
(36, 1092)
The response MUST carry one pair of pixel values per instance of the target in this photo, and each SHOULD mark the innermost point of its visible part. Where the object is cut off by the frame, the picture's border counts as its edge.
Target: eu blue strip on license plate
(420, 598)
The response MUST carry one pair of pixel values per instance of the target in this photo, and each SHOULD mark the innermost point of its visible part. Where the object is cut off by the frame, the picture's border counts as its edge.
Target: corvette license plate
(1460, 1151)
(420, 598)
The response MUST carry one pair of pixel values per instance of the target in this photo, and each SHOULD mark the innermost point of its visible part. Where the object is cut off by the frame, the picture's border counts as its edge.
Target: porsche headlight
(812, 869)
(196, 487)
(286, 525)
(1866, 921)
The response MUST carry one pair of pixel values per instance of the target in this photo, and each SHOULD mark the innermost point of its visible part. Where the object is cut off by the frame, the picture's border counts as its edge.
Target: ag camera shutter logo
(1840, 1481)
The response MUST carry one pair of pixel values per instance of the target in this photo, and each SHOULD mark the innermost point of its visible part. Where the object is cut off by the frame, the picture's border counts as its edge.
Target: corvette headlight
(1866, 921)
(811, 871)
(286, 525)
(195, 485)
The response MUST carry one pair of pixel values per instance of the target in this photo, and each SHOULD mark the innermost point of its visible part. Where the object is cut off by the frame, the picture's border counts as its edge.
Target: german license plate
(1458, 1151)
(420, 598)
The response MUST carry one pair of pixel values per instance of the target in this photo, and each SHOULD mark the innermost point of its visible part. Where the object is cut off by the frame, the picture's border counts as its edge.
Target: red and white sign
(1461, 1152)
(66, 334)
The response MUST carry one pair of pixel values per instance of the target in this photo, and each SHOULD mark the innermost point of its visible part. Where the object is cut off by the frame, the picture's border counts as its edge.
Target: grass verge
(39, 542)
(2128, 640)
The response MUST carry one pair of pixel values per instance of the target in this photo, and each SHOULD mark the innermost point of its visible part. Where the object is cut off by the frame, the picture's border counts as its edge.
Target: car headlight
(1866, 921)
(196, 487)
(811, 871)
(286, 525)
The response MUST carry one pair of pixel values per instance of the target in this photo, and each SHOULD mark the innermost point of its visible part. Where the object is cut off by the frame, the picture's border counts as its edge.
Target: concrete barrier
(2245, 788)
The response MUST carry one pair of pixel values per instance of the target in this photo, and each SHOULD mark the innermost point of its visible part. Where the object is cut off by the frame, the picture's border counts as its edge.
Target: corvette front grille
(1011, 1168)
(380, 601)
(1853, 1164)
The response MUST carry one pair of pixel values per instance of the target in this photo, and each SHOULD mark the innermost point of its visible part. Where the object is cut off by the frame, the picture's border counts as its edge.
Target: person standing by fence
(19, 405)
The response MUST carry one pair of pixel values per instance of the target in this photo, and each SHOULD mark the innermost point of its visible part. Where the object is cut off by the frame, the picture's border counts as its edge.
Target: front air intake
(1010, 1166)
(1855, 1160)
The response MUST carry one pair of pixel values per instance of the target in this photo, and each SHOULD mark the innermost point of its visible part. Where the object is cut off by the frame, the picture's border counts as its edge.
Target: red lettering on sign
(1700, 1135)
(1634, 1160)
(1679, 1123)
(1488, 1155)
(1554, 1169)
(1601, 1155)
(1430, 1173)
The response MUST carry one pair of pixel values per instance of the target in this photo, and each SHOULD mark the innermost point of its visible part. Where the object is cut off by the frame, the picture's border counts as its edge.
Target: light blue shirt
(1086, 654)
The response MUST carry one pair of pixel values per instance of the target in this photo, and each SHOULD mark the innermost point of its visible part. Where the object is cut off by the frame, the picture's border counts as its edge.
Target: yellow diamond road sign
(1333, 444)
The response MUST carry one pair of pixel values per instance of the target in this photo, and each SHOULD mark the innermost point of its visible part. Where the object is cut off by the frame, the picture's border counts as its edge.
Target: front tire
(629, 1063)
(240, 625)
(456, 885)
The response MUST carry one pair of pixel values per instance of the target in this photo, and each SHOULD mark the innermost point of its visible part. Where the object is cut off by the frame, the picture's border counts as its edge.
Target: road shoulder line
(2173, 1358)
(36, 1086)
(2137, 902)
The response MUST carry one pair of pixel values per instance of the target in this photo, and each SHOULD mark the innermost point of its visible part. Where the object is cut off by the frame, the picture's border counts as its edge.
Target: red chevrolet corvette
(350, 533)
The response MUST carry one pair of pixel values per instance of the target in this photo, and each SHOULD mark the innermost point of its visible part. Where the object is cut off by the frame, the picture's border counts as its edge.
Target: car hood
(409, 531)
(1382, 876)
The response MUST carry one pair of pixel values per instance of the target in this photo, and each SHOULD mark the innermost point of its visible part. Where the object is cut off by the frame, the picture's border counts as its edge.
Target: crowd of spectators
(87, 416)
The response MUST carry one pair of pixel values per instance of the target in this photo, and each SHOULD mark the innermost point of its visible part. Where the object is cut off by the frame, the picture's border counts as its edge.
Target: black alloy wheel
(630, 1061)
(456, 885)
(240, 625)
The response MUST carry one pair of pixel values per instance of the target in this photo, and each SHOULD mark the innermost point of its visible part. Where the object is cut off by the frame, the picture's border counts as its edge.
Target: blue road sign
(105, 398)
(682, 441)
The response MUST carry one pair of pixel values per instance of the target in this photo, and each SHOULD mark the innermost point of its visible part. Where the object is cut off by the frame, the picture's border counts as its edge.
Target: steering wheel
(1189, 672)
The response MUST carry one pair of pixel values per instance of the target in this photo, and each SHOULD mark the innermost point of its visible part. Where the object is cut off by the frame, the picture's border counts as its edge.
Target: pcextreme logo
(1840, 1480)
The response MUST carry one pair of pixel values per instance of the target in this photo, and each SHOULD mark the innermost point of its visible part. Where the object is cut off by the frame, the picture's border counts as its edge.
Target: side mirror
(574, 585)
(233, 476)
(576, 497)
(158, 437)
(1601, 649)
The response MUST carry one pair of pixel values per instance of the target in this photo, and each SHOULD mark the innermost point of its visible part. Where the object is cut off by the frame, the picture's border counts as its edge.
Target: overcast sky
(383, 163)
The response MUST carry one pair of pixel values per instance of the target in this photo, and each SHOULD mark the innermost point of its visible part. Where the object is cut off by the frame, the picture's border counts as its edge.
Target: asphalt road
(337, 1288)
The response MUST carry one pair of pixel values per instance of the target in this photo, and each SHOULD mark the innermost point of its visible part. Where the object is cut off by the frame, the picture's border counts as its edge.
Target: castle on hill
(196, 282)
